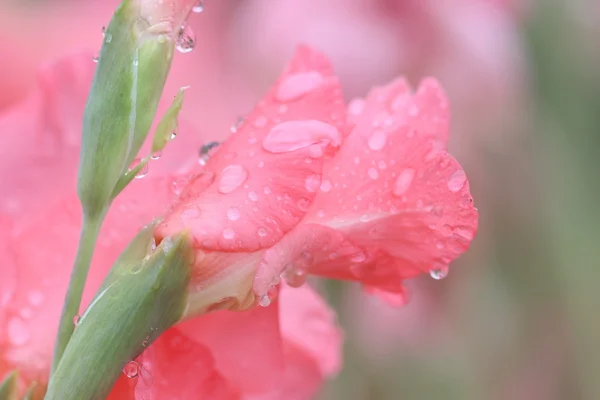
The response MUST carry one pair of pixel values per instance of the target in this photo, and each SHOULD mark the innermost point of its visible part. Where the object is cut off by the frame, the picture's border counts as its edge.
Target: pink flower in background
(279, 198)
(39, 224)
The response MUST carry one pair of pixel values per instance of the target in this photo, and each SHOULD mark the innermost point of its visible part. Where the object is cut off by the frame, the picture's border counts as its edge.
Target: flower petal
(265, 174)
(392, 192)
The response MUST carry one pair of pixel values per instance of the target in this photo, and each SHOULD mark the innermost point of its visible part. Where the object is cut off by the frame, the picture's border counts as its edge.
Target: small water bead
(267, 190)
(156, 155)
(198, 7)
(191, 211)
(228, 233)
(238, 124)
(252, 196)
(439, 273)
(404, 181)
(457, 181)
(95, 58)
(186, 39)
(377, 140)
(18, 332)
(262, 232)
(373, 174)
(35, 298)
(206, 151)
(233, 214)
(231, 178)
(294, 135)
(131, 369)
(108, 38)
(103, 31)
(76, 319)
(294, 86)
(142, 172)
(312, 183)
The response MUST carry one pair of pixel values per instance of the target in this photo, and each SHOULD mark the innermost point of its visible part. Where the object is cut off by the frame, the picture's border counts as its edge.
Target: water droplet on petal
(252, 196)
(377, 140)
(262, 232)
(373, 174)
(293, 135)
(439, 273)
(76, 319)
(294, 277)
(358, 257)
(186, 39)
(294, 86)
(404, 181)
(231, 178)
(18, 333)
(312, 183)
(233, 214)
(265, 301)
(131, 369)
(457, 181)
(206, 151)
(260, 121)
(326, 186)
(303, 204)
(108, 38)
(190, 211)
(356, 106)
(238, 124)
(228, 233)
(35, 297)
(198, 7)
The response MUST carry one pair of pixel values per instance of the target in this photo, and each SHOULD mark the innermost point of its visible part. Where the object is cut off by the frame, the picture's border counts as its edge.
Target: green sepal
(168, 123)
(9, 386)
(130, 75)
(128, 176)
(136, 303)
(34, 392)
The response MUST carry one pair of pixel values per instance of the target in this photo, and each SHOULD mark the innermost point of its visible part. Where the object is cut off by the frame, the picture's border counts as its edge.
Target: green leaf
(9, 386)
(168, 123)
(138, 301)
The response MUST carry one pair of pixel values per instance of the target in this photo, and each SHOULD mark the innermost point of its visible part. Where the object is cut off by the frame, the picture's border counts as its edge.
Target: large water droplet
(198, 7)
(233, 214)
(131, 369)
(293, 135)
(18, 333)
(312, 183)
(404, 181)
(156, 155)
(186, 39)
(439, 273)
(457, 181)
(206, 151)
(294, 277)
(377, 140)
(294, 86)
(231, 178)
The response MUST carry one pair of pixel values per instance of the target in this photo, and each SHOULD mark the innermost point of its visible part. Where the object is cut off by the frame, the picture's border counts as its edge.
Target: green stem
(85, 250)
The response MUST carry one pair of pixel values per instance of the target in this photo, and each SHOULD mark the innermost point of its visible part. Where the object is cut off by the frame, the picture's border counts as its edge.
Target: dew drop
(252, 196)
(18, 333)
(142, 172)
(404, 181)
(267, 190)
(238, 124)
(233, 214)
(108, 38)
(76, 319)
(206, 151)
(293, 135)
(303, 204)
(457, 181)
(95, 58)
(174, 133)
(228, 233)
(312, 183)
(35, 297)
(231, 178)
(326, 186)
(186, 39)
(262, 232)
(358, 257)
(190, 211)
(265, 301)
(131, 369)
(373, 174)
(439, 273)
(156, 155)
(356, 106)
(103, 30)
(294, 277)
(198, 7)
(294, 86)
(377, 140)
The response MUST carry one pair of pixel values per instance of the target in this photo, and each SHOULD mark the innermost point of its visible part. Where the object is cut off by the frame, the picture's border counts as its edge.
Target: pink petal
(391, 192)
(308, 323)
(246, 346)
(260, 173)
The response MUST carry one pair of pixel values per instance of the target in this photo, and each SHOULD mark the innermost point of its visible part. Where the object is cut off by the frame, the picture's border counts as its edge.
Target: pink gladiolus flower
(286, 349)
(305, 188)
